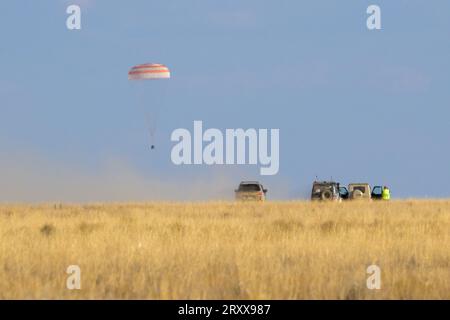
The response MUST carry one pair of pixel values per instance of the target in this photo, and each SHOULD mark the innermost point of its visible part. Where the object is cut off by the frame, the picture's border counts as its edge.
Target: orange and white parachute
(150, 94)
(149, 71)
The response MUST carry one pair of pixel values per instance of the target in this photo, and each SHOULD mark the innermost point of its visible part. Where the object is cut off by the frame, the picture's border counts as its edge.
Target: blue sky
(352, 104)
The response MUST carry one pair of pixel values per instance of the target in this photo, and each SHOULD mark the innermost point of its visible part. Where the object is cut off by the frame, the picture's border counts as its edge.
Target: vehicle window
(249, 187)
(343, 191)
(377, 190)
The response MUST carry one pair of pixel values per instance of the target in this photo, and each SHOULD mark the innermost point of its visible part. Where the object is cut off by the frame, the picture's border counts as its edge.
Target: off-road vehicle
(250, 191)
(325, 191)
(361, 191)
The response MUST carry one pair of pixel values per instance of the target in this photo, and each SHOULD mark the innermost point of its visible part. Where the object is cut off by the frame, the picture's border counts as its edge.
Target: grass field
(279, 250)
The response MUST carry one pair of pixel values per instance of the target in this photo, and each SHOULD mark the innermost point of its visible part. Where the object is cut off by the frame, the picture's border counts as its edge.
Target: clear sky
(352, 104)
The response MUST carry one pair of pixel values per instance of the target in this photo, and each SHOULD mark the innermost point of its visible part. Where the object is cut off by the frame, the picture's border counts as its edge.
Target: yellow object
(386, 195)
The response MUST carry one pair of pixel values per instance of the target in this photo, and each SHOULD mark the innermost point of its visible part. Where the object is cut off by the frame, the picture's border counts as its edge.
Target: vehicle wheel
(327, 195)
(357, 194)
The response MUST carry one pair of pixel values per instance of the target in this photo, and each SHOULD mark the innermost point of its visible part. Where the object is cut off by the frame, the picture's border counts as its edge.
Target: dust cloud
(33, 179)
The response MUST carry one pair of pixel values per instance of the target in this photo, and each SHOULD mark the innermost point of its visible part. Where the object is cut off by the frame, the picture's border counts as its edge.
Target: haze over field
(352, 104)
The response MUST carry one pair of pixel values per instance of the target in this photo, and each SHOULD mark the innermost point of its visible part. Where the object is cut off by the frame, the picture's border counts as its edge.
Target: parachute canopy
(149, 71)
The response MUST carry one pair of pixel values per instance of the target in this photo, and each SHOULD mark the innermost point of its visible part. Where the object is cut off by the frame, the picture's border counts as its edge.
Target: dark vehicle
(326, 191)
(250, 191)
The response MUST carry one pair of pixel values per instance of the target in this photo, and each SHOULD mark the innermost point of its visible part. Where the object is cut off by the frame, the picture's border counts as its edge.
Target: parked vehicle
(325, 191)
(361, 191)
(250, 191)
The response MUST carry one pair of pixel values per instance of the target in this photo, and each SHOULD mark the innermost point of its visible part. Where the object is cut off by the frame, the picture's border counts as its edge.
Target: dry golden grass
(289, 250)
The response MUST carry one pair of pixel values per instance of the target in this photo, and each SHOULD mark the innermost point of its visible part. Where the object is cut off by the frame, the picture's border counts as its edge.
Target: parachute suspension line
(151, 122)
(147, 116)
(151, 110)
(156, 114)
